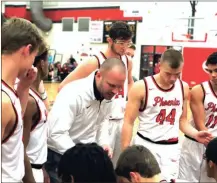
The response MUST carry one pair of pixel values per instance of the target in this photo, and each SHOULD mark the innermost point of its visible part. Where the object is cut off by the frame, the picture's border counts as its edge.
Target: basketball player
(131, 50)
(160, 102)
(211, 159)
(120, 38)
(86, 163)
(138, 164)
(20, 43)
(81, 109)
(204, 117)
(35, 126)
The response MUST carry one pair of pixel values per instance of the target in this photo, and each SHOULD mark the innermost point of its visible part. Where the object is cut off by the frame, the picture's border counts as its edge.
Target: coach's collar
(97, 94)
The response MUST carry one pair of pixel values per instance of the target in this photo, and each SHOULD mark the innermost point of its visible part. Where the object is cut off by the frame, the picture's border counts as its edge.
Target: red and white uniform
(192, 165)
(118, 109)
(159, 124)
(37, 146)
(12, 145)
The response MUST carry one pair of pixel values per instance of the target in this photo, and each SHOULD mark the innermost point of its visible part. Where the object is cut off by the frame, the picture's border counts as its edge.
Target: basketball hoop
(181, 28)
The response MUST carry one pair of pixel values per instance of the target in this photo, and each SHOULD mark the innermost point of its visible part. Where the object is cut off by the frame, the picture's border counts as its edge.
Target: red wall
(193, 60)
(160, 49)
(96, 13)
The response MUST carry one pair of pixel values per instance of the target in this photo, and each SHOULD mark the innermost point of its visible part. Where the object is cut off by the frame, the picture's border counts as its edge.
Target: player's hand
(29, 78)
(108, 150)
(203, 137)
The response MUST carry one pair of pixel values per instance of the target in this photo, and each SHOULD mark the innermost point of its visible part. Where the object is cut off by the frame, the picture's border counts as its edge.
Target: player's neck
(214, 86)
(110, 54)
(161, 82)
(10, 70)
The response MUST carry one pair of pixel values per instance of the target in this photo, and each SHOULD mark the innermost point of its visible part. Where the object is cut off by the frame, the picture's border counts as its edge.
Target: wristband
(44, 95)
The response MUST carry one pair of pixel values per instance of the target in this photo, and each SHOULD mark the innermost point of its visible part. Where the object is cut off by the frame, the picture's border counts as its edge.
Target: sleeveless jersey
(159, 119)
(120, 98)
(12, 145)
(210, 106)
(37, 146)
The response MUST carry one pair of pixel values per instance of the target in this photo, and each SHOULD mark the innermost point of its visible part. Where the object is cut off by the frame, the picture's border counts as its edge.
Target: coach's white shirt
(77, 115)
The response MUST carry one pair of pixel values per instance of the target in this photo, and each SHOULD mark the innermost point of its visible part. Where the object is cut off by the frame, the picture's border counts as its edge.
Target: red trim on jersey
(174, 140)
(164, 90)
(37, 94)
(106, 57)
(146, 95)
(15, 124)
(203, 91)
(7, 86)
(213, 92)
(103, 55)
(33, 126)
(98, 61)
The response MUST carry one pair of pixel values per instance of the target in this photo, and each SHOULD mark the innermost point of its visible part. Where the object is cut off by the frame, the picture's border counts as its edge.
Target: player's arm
(81, 71)
(197, 107)
(186, 127)
(27, 123)
(130, 77)
(8, 116)
(23, 93)
(135, 97)
(44, 94)
(24, 85)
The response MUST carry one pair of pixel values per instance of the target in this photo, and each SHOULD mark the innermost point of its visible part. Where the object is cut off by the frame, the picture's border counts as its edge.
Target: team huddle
(99, 103)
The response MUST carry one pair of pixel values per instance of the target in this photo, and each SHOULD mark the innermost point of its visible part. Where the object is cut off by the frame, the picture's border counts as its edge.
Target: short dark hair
(86, 163)
(18, 32)
(120, 30)
(211, 151)
(132, 47)
(137, 158)
(38, 58)
(212, 59)
(173, 57)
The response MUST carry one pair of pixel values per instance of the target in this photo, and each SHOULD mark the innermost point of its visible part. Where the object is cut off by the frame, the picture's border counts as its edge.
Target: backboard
(189, 29)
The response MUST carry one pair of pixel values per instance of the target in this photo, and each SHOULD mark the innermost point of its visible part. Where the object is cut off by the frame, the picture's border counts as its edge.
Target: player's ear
(109, 40)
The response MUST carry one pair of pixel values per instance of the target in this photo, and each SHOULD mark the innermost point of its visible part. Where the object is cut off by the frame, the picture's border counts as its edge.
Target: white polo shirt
(77, 114)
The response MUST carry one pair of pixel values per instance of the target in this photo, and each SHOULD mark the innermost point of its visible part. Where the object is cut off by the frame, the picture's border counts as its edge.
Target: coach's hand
(203, 137)
(108, 150)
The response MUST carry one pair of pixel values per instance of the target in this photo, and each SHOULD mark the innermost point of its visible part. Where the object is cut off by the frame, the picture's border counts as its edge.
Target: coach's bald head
(111, 77)
(112, 64)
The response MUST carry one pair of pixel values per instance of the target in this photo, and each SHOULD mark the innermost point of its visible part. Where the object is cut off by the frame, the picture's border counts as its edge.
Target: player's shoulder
(7, 107)
(138, 88)
(6, 101)
(184, 83)
(197, 88)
